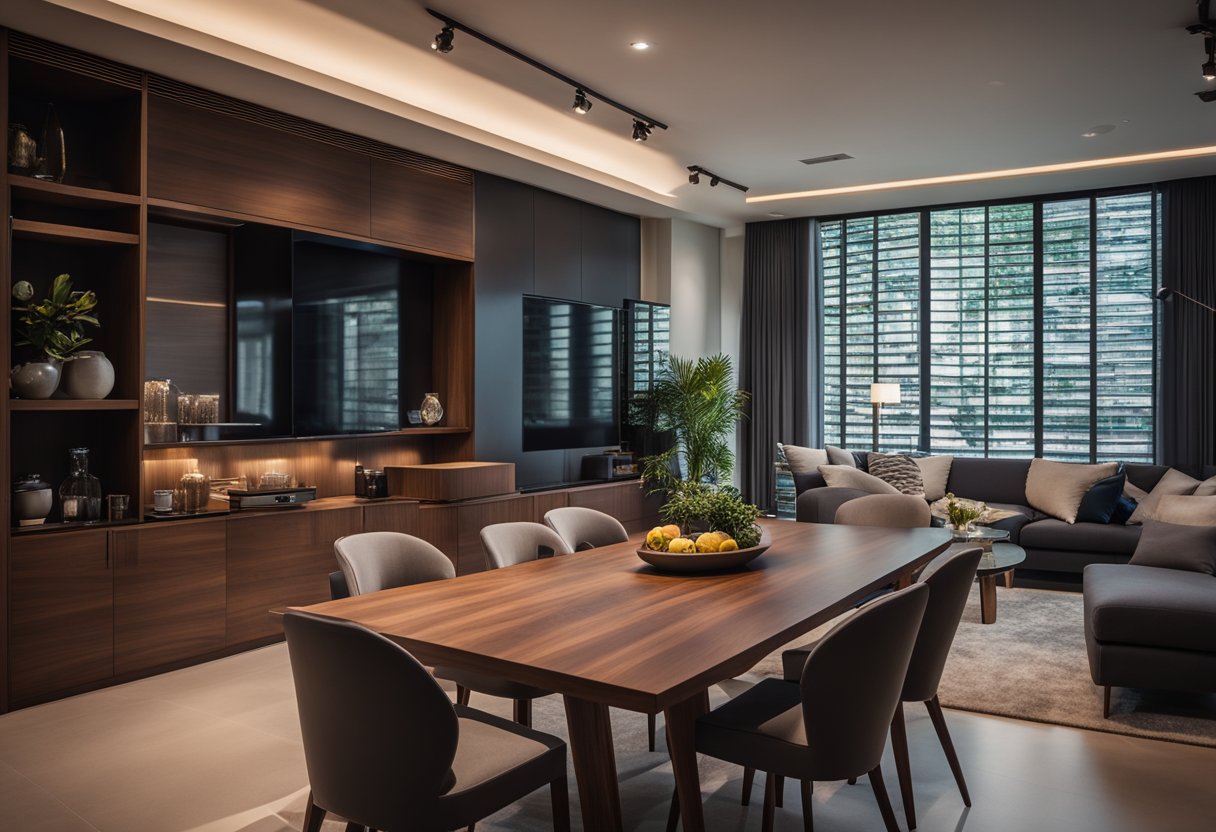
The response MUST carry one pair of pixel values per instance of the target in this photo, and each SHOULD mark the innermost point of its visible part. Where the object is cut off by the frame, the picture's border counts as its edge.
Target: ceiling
(910, 90)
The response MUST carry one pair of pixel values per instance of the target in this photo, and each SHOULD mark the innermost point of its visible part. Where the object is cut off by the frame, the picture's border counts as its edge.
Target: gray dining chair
(392, 752)
(832, 723)
(373, 561)
(507, 544)
(893, 511)
(585, 528)
(949, 586)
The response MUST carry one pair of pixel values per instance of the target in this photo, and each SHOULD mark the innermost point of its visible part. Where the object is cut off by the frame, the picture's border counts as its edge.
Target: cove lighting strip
(1035, 170)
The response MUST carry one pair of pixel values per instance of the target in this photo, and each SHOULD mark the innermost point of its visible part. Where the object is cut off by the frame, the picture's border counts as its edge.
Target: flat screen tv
(571, 374)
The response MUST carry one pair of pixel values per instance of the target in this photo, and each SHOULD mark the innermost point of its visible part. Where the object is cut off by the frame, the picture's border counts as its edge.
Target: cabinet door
(61, 625)
(422, 209)
(281, 560)
(395, 516)
(168, 594)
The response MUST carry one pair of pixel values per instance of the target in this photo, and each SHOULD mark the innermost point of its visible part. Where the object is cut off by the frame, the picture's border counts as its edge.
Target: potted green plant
(53, 329)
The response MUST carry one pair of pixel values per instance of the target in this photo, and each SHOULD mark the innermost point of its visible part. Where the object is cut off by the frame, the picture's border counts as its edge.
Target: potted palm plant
(53, 329)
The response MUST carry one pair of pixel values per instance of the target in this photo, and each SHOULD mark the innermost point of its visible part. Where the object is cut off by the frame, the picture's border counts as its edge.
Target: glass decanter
(80, 494)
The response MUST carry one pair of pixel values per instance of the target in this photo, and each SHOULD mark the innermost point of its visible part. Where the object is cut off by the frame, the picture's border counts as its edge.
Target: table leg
(1009, 579)
(988, 599)
(681, 720)
(590, 729)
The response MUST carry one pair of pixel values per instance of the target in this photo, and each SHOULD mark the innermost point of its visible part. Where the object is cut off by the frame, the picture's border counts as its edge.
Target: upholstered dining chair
(507, 544)
(585, 528)
(949, 585)
(393, 752)
(373, 561)
(893, 511)
(832, 723)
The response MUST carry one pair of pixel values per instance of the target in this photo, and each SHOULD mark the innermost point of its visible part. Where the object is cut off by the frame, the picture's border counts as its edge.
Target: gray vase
(36, 380)
(88, 375)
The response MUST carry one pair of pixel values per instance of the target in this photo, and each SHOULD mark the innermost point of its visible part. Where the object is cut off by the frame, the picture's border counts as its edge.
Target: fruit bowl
(704, 561)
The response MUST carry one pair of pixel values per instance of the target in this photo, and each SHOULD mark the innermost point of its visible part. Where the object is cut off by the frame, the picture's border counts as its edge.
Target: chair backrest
(893, 511)
(337, 586)
(507, 544)
(373, 561)
(379, 732)
(585, 528)
(949, 585)
(852, 680)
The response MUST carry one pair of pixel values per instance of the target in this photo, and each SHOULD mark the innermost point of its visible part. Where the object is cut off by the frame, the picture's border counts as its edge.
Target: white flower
(23, 290)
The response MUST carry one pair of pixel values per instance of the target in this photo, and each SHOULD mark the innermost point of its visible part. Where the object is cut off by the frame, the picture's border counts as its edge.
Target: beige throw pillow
(804, 460)
(1057, 488)
(935, 471)
(1183, 510)
(846, 476)
(1207, 488)
(839, 456)
(1172, 483)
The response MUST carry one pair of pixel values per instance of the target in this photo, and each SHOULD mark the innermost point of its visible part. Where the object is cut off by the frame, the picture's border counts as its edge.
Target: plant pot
(35, 380)
(88, 375)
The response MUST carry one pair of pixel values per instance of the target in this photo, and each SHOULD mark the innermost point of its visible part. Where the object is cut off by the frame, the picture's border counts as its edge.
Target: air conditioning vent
(819, 160)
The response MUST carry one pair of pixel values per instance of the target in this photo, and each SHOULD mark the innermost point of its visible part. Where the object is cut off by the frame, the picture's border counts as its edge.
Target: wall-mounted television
(571, 374)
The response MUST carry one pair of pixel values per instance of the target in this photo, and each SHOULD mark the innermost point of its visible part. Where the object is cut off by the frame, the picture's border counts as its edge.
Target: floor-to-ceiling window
(1013, 329)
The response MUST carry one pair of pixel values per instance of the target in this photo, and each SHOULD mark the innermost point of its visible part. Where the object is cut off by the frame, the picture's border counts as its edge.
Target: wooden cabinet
(280, 560)
(168, 594)
(396, 516)
(422, 209)
(626, 501)
(61, 633)
(438, 525)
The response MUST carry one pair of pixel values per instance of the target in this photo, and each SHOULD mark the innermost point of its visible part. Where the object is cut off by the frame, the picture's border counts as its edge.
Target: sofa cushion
(1149, 606)
(1014, 524)
(1185, 510)
(899, 471)
(1080, 537)
(846, 476)
(1173, 482)
(839, 456)
(989, 480)
(1143, 475)
(1207, 488)
(1170, 546)
(935, 471)
(804, 460)
(805, 482)
(1057, 488)
(1103, 499)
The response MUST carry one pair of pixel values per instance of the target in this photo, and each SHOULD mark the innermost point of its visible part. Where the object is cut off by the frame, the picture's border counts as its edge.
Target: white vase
(88, 375)
(35, 380)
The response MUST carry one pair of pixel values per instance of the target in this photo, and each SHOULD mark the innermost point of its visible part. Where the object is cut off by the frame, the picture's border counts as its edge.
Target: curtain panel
(779, 348)
(1187, 391)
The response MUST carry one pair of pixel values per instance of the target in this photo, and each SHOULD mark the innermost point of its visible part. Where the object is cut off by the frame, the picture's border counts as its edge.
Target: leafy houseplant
(699, 506)
(55, 326)
(962, 515)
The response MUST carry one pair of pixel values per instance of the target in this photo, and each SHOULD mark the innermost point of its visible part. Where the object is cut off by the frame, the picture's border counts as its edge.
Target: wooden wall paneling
(473, 517)
(391, 516)
(422, 209)
(546, 501)
(452, 373)
(6, 471)
(169, 593)
(438, 525)
(204, 158)
(61, 614)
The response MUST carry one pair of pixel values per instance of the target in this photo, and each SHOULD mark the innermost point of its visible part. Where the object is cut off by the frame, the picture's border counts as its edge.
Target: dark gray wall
(535, 242)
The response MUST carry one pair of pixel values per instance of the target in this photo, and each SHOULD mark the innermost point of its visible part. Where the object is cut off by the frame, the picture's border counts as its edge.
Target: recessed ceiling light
(641, 45)
(1088, 134)
(776, 215)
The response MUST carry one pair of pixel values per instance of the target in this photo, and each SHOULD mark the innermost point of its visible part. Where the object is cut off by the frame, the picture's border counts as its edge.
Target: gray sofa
(1056, 551)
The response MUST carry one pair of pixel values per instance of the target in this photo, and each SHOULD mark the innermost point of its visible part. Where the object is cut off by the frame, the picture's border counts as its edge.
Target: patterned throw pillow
(900, 471)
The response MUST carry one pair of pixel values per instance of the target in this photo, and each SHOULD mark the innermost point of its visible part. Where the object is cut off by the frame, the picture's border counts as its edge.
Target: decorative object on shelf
(274, 479)
(376, 484)
(962, 515)
(53, 163)
(220, 487)
(196, 488)
(36, 379)
(360, 481)
(162, 500)
(22, 150)
(32, 499)
(80, 494)
(53, 328)
(880, 394)
(160, 411)
(88, 375)
(431, 410)
(198, 409)
(414, 417)
(116, 506)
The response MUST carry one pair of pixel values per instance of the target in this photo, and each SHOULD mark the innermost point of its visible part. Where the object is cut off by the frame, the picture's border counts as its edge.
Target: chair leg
(523, 712)
(780, 790)
(462, 695)
(749, 774)
(314, 816)
(770, 800)
(650, 726)
(1106, 703)
(852, 781)
(943, 735)
(808, 819)
(899, 747)
(560, 798)
(673, 814)
(351, 826)
(884, 802)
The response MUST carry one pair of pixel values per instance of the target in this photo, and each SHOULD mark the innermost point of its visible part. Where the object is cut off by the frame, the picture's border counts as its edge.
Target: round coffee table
(1001, 560)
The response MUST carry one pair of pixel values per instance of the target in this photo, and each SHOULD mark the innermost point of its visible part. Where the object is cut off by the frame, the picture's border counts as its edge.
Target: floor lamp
(1166, 294)
(881, 394)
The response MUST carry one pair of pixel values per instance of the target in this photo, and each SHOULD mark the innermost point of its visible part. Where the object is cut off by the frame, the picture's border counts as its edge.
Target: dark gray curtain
(1187, 412)
(777, 362)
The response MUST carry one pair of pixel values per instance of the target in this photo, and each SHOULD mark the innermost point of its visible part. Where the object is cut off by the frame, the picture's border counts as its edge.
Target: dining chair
(393, 753)
(372, 561)
(507, 544)
(585, 528)
(832, 723)
(949, 586)
(893, 511)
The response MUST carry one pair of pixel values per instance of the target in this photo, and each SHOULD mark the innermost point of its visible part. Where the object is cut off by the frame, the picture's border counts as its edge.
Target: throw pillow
(1100, 503)
(805, 460)
(1171, 546)
(1057, 488)
(846, 476)
(1207, 488)
(837, 456)
(1173, 482)
(935, 471)
(1183, 510)
(900, 471)
(1125, 507)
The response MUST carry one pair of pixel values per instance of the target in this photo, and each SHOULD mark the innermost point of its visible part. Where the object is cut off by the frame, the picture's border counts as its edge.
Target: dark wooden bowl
(704, 561)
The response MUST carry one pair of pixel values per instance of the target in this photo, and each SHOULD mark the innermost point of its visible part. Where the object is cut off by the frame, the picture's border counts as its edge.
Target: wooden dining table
(605, 630)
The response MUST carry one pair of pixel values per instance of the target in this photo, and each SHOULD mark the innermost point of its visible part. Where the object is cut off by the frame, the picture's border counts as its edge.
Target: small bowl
(704, 561)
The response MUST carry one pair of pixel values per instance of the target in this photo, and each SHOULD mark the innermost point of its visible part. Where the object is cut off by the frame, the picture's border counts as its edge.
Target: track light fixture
(694, 177)
(642, 123)
(1206, 27)
(1209, 67)
(443, 40)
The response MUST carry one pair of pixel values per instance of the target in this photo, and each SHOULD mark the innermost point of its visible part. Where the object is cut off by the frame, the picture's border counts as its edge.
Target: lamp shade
(884, 394)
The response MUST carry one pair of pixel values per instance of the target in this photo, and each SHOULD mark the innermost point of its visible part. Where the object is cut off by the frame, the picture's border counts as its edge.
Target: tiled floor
(215, 748)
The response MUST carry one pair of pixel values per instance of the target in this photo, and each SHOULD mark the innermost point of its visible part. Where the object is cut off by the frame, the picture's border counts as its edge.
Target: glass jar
(80, 494)
(197, 491)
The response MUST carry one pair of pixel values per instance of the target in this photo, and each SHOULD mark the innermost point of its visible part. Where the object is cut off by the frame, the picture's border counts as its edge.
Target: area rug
(1031, 664)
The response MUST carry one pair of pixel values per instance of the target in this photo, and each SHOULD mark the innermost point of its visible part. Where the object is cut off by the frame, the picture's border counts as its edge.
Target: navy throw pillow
(1124, 509)
(1103, 499)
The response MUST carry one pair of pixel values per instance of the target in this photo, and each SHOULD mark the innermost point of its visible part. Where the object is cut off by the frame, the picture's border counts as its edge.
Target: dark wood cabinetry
(422, 209)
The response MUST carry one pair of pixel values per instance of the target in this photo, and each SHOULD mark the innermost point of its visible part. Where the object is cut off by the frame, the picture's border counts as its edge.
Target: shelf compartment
(439, 430)
(71, 234)
(54, 203)
(57, 193)
(48, 527)
(61, 405)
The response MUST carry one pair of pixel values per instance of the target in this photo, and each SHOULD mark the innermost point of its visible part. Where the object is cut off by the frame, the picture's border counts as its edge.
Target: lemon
(708, 542)
(670, 531)
(655, 539)
(681, 545)
(728, 545)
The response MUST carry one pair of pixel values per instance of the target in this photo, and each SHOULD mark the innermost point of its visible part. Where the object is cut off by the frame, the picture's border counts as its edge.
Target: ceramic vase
(32, 499)
(88, 375)
(36, 380)
(432, 410)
